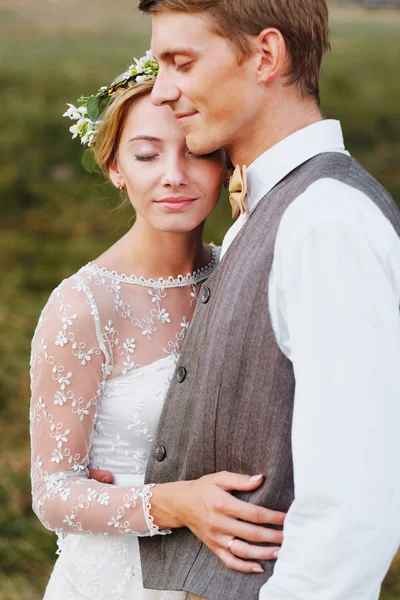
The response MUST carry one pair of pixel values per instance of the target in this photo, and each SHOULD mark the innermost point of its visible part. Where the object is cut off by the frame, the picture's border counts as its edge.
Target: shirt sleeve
(338, 297)
(69, 364)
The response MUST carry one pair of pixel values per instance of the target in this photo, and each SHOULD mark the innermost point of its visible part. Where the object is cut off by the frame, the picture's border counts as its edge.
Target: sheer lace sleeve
(69, 366)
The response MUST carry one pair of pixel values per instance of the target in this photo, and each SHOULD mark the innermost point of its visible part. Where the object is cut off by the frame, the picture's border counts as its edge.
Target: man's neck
(271, 127)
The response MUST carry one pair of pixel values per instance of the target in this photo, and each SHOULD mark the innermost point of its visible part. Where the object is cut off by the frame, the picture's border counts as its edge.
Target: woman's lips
(176, 202)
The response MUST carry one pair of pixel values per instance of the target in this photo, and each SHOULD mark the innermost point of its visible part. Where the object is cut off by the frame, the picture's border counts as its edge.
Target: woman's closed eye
(204, 156)
(146, 158)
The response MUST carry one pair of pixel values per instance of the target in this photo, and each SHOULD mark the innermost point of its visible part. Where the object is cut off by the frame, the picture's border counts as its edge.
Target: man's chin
(198, 144)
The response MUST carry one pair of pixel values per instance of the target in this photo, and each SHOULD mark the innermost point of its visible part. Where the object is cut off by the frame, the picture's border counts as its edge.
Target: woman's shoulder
(68, 300)
(70, 287)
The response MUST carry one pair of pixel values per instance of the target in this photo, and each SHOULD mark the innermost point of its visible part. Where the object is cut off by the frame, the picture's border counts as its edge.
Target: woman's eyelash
(153, 156)
(210, 155)
(145, 158)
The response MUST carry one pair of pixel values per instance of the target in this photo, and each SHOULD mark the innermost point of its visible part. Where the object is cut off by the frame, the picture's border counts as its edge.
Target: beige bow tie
(238, 192)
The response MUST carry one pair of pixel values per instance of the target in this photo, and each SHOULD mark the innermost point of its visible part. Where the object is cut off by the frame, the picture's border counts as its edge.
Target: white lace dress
(103, 355)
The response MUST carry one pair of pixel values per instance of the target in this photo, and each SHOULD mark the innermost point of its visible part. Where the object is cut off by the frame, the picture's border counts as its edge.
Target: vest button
(181, 374)
(160, 453)
(205, 295)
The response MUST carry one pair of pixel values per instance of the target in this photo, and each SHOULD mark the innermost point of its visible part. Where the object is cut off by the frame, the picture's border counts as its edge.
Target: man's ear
(271, 48)
(116, 175)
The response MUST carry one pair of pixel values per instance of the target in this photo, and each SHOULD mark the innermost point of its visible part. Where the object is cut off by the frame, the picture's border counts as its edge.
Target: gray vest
(230, 404)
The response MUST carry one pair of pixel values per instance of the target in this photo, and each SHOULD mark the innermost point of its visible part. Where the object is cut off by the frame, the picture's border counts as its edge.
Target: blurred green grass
(54, 217)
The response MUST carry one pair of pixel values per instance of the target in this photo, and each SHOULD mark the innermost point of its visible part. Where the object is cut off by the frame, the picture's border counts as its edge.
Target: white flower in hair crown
(88, 114)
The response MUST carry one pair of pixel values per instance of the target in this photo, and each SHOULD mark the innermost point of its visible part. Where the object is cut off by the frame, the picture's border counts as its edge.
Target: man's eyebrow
(148, 138)
(174, 51)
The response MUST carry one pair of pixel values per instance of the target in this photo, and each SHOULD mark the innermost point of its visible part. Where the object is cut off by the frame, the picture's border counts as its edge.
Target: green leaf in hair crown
(88, 114)
(89, 163)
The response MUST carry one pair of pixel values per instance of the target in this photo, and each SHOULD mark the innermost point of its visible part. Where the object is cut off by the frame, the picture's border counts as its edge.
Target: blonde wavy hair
(113, 119)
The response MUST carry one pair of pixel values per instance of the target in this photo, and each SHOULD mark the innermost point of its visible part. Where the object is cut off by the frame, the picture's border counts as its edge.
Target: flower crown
(88, 115)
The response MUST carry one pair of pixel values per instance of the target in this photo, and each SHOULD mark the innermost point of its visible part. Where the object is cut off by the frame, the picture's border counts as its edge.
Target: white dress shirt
(334, 297)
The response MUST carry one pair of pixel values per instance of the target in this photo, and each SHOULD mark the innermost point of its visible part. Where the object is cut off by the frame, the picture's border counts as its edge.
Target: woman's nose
(175, 174)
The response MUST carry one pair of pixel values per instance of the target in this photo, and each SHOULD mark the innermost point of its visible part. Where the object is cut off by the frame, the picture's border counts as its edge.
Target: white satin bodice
(127, 420)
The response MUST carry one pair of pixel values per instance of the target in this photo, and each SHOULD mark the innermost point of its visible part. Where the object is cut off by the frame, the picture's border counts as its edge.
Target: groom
(293, 357)
(292, 363)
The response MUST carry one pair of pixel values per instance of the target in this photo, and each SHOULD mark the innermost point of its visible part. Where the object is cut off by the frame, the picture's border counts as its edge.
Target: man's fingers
(248, 551)
(101, 475)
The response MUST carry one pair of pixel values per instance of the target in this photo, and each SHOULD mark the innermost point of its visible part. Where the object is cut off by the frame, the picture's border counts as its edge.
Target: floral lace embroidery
(191, 279)
(153, 528)
(97, 328)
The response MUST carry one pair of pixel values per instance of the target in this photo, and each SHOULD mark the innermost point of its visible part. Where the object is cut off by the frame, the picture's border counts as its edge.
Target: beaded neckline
(180, 281)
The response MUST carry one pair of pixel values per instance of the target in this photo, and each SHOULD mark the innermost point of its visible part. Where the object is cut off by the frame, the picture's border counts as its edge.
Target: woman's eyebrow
(148, 138)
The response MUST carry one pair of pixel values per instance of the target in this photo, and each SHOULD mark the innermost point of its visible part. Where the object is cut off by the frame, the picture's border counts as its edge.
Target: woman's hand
(218, 519)
(225, 524)
(101, 475)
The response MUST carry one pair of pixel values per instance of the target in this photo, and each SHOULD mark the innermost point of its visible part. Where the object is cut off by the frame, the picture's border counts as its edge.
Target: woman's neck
(151, 253)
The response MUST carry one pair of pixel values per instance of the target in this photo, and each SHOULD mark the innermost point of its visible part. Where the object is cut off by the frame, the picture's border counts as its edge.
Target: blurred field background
(55, 218)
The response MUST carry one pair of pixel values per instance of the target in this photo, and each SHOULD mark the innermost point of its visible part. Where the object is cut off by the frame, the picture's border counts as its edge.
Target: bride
(104, 352)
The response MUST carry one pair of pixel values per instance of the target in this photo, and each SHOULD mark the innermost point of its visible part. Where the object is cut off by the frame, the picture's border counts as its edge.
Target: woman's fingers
(216, 517)
(239, 509)
(241, 556)
(248, 551)
(237, 564)
(101, 476)
(234, 481)
(248, 532)
(224, 529)
(255, 533)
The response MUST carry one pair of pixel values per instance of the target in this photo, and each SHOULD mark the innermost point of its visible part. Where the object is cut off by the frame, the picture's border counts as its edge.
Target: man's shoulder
(332, 202)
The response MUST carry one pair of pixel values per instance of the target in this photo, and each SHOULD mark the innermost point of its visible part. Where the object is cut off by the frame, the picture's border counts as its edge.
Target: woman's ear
(116, 176)
(273, 54)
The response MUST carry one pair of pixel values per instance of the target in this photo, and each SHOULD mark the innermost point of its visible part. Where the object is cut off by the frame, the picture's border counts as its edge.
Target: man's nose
(164, 92)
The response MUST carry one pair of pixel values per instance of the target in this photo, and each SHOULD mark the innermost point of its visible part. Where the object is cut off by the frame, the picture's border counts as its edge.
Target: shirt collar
(277, 162)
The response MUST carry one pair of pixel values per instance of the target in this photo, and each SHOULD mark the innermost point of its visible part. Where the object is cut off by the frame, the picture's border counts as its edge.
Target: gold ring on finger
(230, 545)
